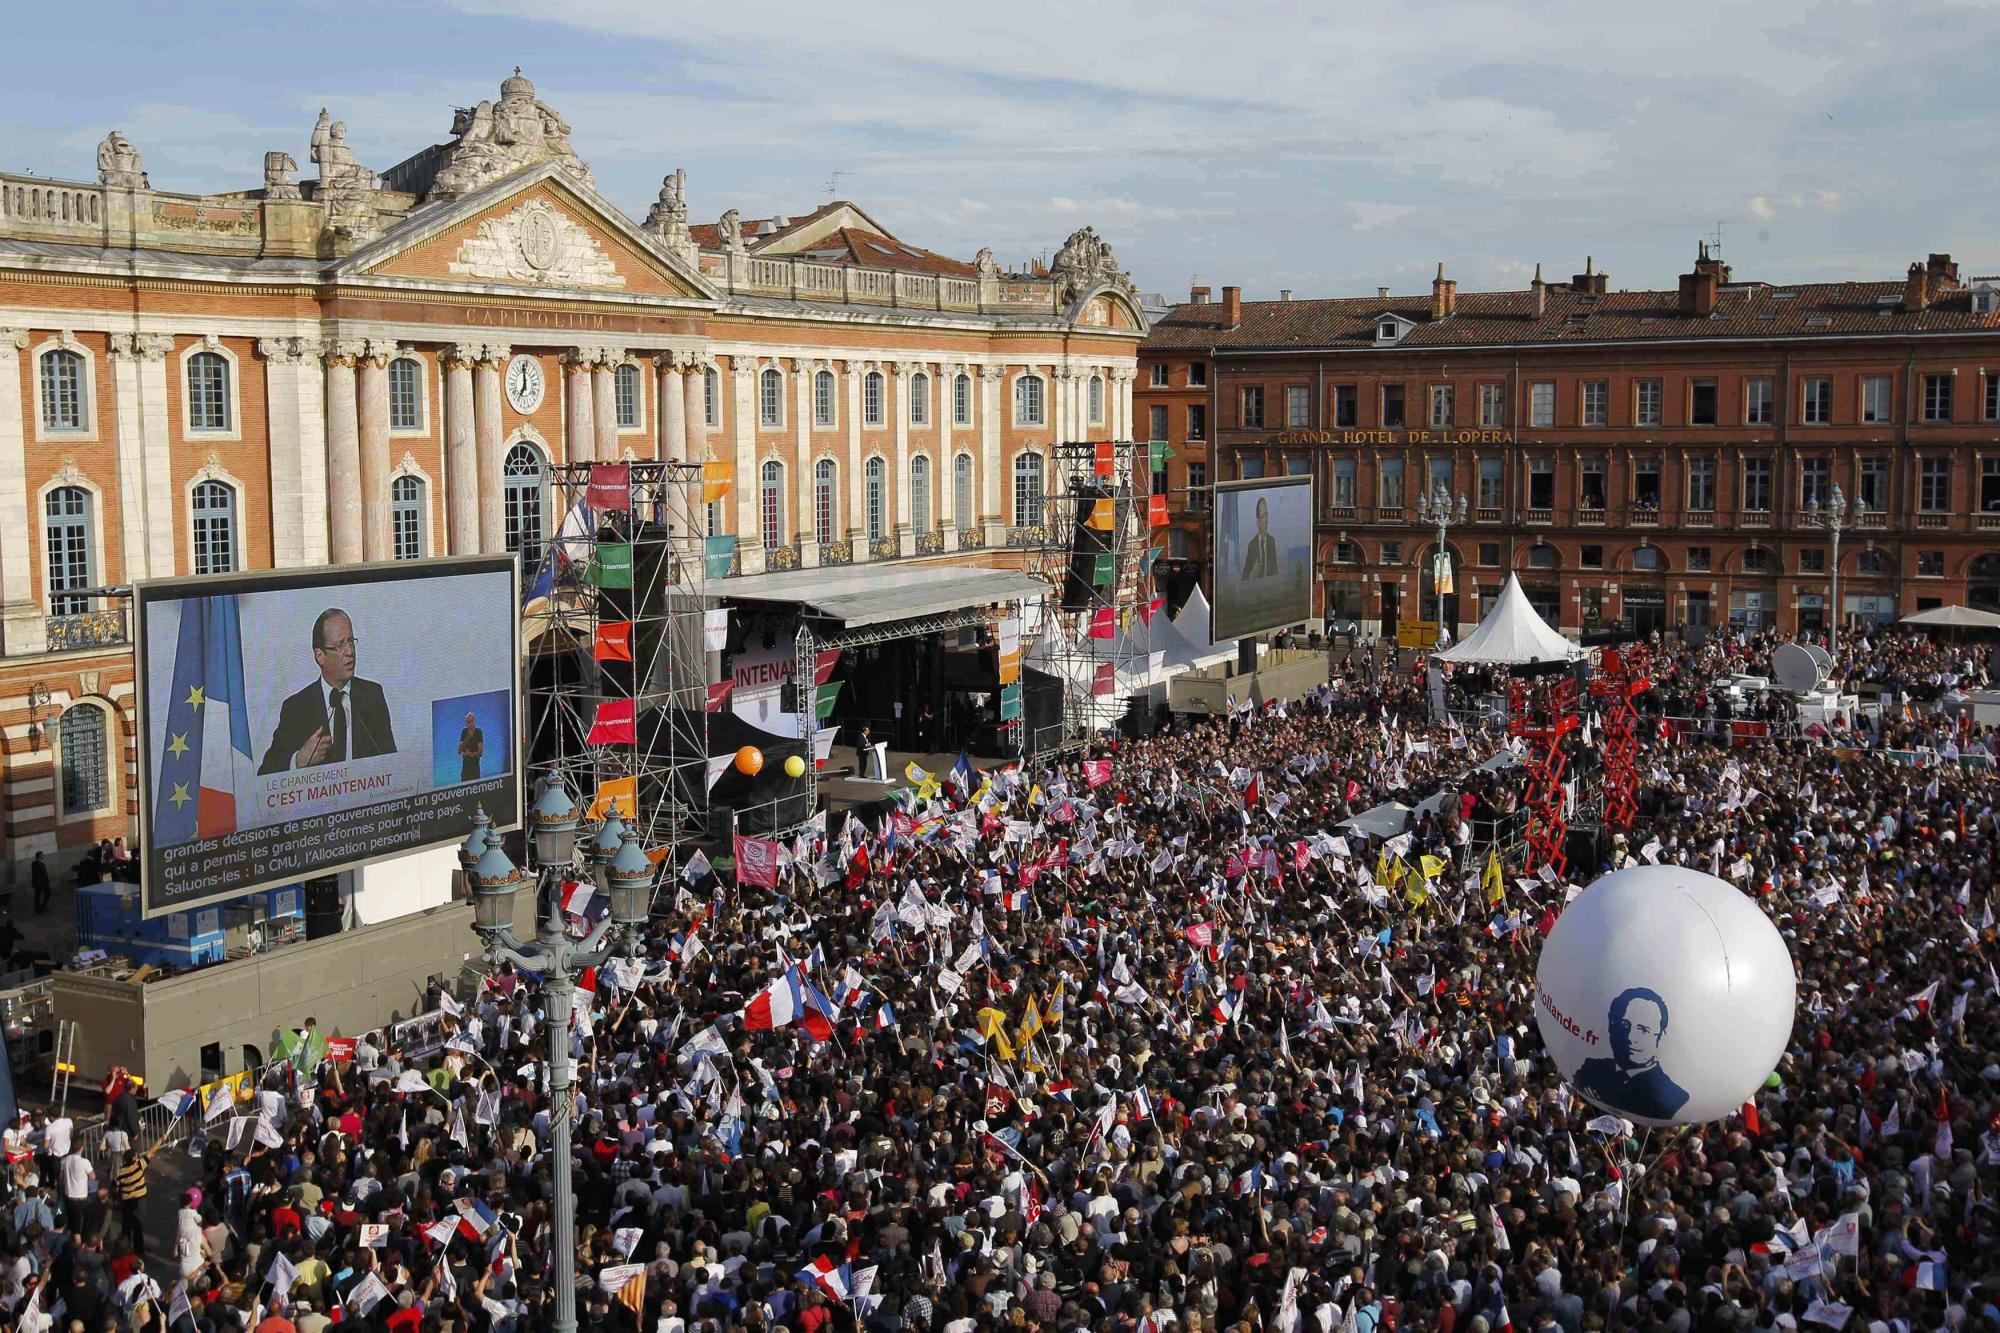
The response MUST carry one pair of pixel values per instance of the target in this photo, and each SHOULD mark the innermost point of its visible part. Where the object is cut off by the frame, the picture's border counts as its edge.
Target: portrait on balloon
(1630, 1079)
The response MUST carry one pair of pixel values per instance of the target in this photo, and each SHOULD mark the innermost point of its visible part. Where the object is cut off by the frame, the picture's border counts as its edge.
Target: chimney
(1381, 293)
(1917, 289)
(1197, 296)
(1698, 289)
(1232, 306)
(1541, 291)
(1708, 263)
(1444, 295)
(1943, 274)
(1284, 293)
(1589, 282)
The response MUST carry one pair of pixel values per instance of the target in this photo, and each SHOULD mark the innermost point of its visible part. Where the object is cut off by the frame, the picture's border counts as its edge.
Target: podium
(875, 763)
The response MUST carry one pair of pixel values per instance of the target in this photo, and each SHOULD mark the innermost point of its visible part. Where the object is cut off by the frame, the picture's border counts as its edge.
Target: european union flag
(207, 743)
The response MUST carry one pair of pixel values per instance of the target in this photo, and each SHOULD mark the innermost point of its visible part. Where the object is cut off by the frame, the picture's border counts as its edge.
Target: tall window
(826, 500)
(1197, 421)
(961, 400)
(1491, 488)
(1159, 375)
(1701, 403)
(1596, 403)
(66, 517)
(1989, 395)
(1815, 475)
(1197, 485)
(823, 398)
(875, 488)
(770, 399)
(522, 491)
(214, 528)
(1757, 409)
(1934, 486)
(1096, 400)
(1028, 401)
(406, 394)
(86, 777)
(961, 491)
(1156, 420)
(1875, 399)
(1701, 484)
(62, 391)
(1347, 405)
(1873, 488)
(771, 503)
(406, 518)
(1441, 406)
(1757, 485)
(1937, 398)
(1027, 490)
(871, 399)
(1343, 483)
(1646, 403)
(1542, 404)
(920, 493)
(1816, 400)
(1490, 398)
(711, 396)
(208, 391)
(920, 399)
(625, 395)
(1541, 483)
(1253, 407)
(1389, 491)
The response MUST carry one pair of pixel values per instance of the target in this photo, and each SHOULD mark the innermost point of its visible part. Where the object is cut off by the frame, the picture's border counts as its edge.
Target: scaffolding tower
(1097, 554)
(618, 678)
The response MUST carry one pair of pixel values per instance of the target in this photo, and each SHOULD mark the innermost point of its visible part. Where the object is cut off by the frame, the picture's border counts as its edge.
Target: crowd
(1146, 1041)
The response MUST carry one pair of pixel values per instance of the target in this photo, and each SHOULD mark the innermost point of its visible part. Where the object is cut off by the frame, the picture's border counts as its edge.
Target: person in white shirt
(78, 1176)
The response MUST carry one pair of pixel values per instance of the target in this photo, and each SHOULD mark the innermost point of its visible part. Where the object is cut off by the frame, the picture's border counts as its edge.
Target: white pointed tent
(1512, 635)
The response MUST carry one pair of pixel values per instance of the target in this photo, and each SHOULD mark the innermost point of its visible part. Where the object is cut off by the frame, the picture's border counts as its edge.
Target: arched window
(711, 397)
(920, 493)
(771, 398)
(66, 520)
(920, 399)
(871, 399)
(213, 527)
(771, 503)
(86, 771)
(961, 401)
(823, 398)
(826, 500)
(1646, 558)
(1028, 401)
(62, 391)
(525, 502)
(1542, 557)
(1096, 398)
(875, 484)
(208, 391)
(406, 394)
(961, 491)
(406, 517)
(1027, 490)
(625, 395)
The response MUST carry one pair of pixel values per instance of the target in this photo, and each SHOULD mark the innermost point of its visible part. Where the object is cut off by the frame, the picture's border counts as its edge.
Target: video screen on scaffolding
(297, 722)
(1261, 572)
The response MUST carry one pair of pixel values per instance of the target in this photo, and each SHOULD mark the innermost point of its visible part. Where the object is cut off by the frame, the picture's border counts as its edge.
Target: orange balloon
(749, 761)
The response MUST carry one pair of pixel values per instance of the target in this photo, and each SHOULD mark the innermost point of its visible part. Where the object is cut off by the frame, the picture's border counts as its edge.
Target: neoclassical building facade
(382, 365)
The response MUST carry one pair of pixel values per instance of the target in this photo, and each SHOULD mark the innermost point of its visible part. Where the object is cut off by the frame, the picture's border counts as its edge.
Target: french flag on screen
(205, 754)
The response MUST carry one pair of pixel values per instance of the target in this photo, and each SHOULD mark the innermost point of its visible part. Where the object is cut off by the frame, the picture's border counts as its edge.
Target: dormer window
(1985, 300)
(1390, 328)
(1387, 333)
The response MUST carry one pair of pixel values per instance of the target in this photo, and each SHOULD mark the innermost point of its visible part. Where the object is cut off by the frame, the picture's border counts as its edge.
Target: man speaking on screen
(1262, 562)
(336, 718)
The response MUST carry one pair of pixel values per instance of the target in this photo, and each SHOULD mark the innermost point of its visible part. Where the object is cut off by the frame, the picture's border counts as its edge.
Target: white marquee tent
(1512, 635)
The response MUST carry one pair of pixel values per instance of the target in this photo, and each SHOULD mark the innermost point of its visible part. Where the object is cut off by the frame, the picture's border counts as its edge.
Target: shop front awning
(856, 596)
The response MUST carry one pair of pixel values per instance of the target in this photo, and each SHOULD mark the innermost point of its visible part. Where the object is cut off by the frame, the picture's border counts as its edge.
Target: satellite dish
(1821, 656)
(1795, 670)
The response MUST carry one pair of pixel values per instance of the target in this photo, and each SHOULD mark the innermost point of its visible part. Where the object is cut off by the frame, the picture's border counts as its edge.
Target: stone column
(489, 443)
(343, 453)
(297, 451)
(20, 608)
(163, 502)
(993, 515)
(372, 376)
(461, 449)
(604, 398)
(669, 409)
(127, 358)
(743, 416)
(856, 508)
(580, 433)
(803, 374)
(906, 542)
(694, 388)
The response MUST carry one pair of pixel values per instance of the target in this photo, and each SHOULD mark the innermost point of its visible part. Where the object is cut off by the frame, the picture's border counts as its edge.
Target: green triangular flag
(1161, 453)
(824, 699)
(613, 565)
(1106, 570)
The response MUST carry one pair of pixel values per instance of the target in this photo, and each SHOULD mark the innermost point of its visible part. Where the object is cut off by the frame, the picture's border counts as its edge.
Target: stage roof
(874, 594)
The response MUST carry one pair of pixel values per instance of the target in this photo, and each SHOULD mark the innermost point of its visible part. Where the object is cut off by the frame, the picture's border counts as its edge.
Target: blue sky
(1326, 148)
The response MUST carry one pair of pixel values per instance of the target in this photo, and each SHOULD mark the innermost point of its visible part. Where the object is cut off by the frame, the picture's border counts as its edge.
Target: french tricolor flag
(885, 1017)
(475, 1219)
(777, 1005)
(1014, 900)
(836, 1280)
(1228, 1007)
(1142, 1104)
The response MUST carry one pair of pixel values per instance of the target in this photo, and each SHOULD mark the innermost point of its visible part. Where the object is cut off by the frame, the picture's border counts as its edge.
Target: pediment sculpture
(496, 139)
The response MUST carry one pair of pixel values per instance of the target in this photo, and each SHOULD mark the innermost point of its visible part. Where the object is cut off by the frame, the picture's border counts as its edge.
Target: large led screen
(299, 722)
(1261, 575)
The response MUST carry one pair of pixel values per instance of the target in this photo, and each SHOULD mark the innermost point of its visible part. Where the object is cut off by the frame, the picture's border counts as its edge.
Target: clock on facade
(524, 384)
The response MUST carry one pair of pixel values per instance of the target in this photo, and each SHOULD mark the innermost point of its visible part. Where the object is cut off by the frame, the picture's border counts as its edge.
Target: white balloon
(1665, 995)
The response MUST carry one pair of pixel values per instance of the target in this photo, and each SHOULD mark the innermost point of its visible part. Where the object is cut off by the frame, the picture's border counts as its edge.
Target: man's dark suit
(305, 712)
(1262, 561)
(1647, 1092)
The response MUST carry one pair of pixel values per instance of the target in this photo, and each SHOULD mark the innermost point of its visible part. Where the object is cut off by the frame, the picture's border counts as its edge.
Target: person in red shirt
(285, 1220)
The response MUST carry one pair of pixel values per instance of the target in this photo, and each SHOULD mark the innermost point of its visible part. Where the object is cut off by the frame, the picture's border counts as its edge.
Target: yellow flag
(1432, 866)
(1055, 1006)
(993, 1027)
(614, 794)
(1417, 892)
(1031, 1023)
(1382, 867)
(1104, 515)
(718, 478)
(1035, 794)
(1491, 880)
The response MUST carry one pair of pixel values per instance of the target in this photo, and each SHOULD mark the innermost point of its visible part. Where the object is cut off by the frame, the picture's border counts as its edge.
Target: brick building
(1640, 456)
(375, 366)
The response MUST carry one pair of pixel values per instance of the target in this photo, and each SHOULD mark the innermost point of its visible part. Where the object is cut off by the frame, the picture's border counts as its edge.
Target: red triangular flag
(613, 642)
(613, 724)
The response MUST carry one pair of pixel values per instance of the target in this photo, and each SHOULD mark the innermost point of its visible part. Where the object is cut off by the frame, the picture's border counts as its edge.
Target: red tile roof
(1745, 310)
(846, 245)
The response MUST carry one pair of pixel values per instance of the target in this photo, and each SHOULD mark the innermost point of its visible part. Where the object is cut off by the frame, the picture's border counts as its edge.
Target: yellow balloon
(795, 767)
